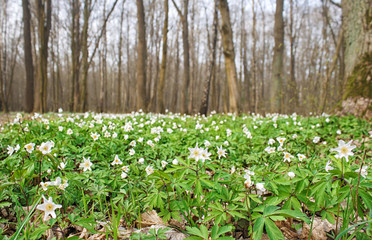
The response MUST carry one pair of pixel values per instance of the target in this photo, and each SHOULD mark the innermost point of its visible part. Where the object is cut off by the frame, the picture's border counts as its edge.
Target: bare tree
(29, 65)
(277, 70)
(75, 54)
(160, 103)
(44, 13)
(228, 51)
(141, 58)
(186, 55)
(212, 59)
(120, 54)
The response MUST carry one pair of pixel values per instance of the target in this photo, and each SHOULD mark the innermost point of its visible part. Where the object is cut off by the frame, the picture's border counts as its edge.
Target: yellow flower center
(87, 164)
(49, 207)
(344, 150)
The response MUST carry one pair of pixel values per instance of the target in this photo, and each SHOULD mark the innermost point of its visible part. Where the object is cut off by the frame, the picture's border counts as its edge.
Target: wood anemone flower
(48, 207)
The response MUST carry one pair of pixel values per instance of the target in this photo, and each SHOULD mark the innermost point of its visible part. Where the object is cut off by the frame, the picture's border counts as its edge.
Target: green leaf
(272, 230)
(258, 228)
(36, 234)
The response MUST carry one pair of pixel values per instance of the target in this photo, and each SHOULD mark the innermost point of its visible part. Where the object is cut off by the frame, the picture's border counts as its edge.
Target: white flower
(301, 156)
(125, 168)
(124, 175)
(114, 135)
(132, 152)
(116, 161)
(294, 136)
(280, 140)
(30, 147)
(291, 174)
(248, 182)
(207, 143)
(17, 147)
(132, 143)
(107, 134)
(164, 164)
(344, 150)
(149, 170)
(338, 131)
(328, 166)
(316, 139)
(287, 156)
(248, 173)
(62, 165)
(232, 170)
(45, 185)
(221, 152)
(69, 131)
(270, 149)
(175, 162)
(60, 128)
(140, 139)
(260, 187)
(195, 153)
(48, 207)
(95, 136)
(271, 141)
(226, 143)
(141, 161)
(363, 171)
(86, 164)
(46, 147)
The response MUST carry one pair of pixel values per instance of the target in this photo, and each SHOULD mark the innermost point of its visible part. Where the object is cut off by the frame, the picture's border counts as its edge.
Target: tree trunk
(160, 105)
(44, 12)
(228, 51)
(212, 59)
(357, 17)
(84, 42)
(292, 85)
(141, 58)
(75, 54)
(277, 69)
(120, 54)
(29, 65)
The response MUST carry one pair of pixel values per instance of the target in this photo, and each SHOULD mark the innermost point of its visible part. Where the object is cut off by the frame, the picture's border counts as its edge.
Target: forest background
(186, 56)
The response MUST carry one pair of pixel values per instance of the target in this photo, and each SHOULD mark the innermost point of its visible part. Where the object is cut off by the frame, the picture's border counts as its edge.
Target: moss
(359, 83)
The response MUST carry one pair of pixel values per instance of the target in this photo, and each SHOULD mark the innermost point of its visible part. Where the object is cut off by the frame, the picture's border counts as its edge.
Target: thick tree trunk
(357, 22)
(142, 101)
(228, 51)
(44, 12)
(29, 65)
(160, 104)
(276, 94)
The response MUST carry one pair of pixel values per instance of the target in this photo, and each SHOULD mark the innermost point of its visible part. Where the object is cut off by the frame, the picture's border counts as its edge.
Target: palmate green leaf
(36, 234)
(272, 230)
(367, 198)
(258, 228)
(201, 232)
(297, 214)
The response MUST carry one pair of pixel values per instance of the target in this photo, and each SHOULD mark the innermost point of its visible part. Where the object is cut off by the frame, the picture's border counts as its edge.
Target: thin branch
(177, 8)
(101, 34)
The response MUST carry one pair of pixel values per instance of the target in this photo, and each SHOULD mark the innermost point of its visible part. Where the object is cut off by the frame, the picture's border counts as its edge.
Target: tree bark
(186, 55)
(357, 21)
(228, 51)
(142, 99)
(44, 12)
(160, 104)
(75, 54)
(29, 65)
(120, 54)
(212, 59)
(277, 69)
